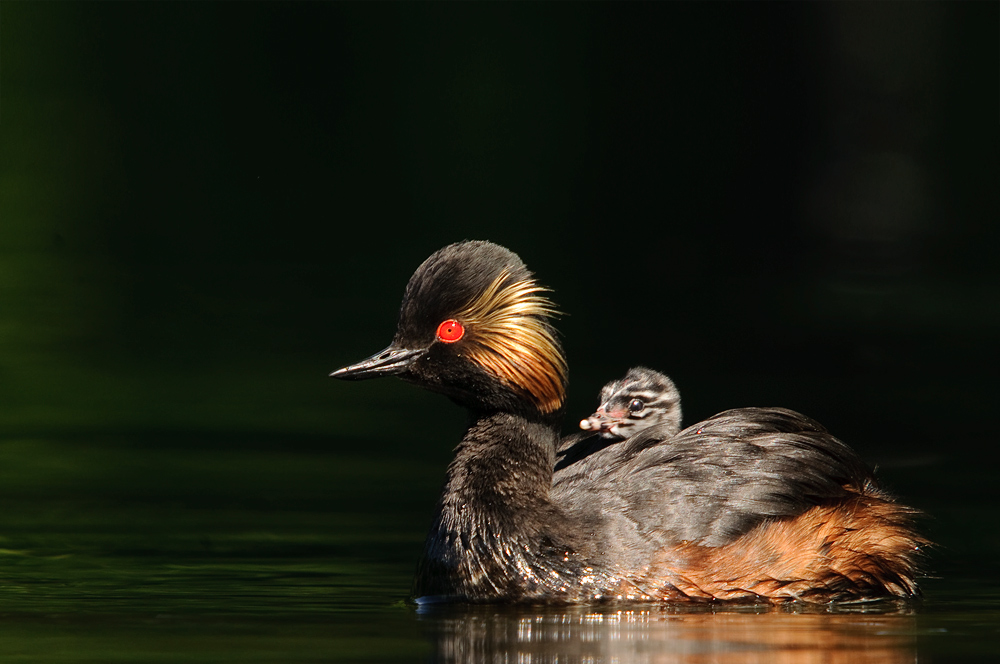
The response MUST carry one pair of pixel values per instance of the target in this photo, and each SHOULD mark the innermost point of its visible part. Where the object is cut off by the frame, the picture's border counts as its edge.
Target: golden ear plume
(510, 339)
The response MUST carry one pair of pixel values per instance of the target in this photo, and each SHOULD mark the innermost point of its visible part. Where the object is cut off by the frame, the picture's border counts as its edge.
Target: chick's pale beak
(389, 362)
(596, 422)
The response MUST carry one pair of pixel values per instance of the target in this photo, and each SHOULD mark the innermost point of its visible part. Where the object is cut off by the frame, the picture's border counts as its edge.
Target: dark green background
(208, 206)
(205, 208)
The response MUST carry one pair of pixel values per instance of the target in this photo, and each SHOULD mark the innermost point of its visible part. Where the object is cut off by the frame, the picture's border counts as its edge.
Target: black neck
(496, 534)
(503, 464)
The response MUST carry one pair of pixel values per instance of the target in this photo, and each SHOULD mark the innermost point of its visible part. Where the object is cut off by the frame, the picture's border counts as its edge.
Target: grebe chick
(749, 504)
(643, 398)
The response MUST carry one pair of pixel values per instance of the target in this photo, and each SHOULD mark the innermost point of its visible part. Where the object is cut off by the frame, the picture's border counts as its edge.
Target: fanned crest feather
(510, 338)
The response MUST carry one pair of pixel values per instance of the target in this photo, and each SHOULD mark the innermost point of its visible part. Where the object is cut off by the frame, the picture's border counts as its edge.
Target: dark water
(234, 548)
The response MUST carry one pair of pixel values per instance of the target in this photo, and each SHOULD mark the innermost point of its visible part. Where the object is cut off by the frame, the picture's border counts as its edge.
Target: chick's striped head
(486, 324)
(642, 399)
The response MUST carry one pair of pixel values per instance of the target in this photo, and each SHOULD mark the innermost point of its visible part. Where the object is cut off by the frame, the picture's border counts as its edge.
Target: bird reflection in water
(655, 634)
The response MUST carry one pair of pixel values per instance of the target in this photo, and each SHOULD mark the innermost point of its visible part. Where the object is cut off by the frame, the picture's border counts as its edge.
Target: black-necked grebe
(642, 399)
(752, 503)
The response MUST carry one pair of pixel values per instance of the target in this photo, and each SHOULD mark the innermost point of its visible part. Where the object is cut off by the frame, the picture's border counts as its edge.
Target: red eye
(450, 331)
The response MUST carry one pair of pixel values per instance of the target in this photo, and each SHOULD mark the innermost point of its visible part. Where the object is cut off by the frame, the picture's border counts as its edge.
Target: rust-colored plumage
(861, 546)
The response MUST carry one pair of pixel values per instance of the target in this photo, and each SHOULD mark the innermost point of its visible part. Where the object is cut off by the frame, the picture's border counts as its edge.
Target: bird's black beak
(389, 362)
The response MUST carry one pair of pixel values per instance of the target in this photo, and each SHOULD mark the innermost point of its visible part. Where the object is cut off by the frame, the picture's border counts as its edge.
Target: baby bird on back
(642, 399)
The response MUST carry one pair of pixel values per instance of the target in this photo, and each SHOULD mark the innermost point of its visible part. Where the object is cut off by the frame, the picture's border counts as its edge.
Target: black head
(474, 325)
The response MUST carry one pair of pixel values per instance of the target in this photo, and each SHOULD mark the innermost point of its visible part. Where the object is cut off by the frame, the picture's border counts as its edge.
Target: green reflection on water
(139, 550)
(235, 548)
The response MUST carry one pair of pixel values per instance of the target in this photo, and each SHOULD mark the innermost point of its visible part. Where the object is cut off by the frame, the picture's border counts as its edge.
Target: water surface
(146, 548)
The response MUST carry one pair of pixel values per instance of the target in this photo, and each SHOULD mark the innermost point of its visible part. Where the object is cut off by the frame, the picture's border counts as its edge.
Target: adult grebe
(752, 503)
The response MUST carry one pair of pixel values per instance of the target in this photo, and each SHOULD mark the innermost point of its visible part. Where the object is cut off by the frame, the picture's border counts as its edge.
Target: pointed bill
(388, 362)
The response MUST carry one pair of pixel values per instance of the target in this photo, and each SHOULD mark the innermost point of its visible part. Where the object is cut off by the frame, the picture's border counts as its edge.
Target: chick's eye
(635, 406)
(450, 331)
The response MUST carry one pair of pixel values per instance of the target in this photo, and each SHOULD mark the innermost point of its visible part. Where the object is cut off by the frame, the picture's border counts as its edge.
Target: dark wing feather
(577, 446)
(711, 482)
